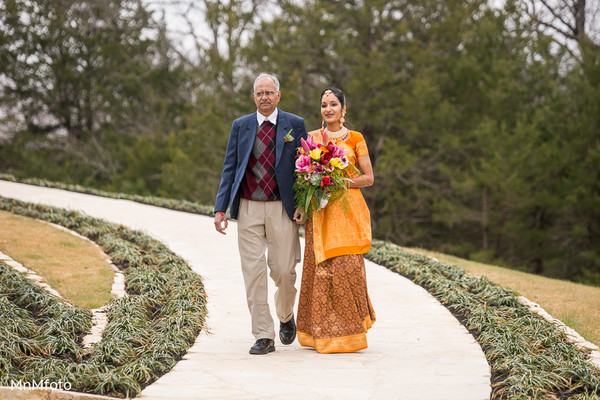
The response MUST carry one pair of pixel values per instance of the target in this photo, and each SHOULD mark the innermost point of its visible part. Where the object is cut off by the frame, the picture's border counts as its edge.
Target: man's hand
(299, 216)
(220, 222)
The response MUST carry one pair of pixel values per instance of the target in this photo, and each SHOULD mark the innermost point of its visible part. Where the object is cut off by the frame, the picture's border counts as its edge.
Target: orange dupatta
(344, 225)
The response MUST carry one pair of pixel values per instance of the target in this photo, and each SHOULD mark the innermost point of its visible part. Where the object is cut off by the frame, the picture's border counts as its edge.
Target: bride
(334, 309)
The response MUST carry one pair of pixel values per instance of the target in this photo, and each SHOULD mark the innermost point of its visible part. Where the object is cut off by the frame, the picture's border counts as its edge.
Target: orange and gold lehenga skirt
(334, 309)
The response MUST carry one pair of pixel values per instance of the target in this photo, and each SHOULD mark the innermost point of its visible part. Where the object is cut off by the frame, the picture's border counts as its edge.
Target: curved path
(417, 349)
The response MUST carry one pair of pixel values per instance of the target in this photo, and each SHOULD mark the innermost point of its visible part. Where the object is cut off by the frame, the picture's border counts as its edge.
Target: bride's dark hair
(337, 93)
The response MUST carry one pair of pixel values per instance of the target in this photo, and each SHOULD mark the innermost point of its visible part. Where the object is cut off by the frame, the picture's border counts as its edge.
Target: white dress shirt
(272, 118)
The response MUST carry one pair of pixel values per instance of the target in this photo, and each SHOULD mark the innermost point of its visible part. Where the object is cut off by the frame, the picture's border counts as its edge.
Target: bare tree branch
(565, 33)
(575, 20)
(555, 13)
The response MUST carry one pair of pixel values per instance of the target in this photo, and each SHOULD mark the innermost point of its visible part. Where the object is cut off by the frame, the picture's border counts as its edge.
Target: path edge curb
(9, 393)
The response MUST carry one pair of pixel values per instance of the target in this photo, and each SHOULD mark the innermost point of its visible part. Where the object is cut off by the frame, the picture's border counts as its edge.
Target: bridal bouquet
(319, 174)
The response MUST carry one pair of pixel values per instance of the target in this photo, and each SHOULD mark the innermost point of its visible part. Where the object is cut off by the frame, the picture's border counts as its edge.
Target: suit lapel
(246, 138)
(283, 127)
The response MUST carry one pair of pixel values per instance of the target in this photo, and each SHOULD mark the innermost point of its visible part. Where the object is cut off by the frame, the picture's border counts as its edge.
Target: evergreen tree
(80, 77)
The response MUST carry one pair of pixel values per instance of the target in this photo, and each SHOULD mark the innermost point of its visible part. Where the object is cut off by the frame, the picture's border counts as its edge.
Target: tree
(74, 71)
(568, 21)
(483, 133)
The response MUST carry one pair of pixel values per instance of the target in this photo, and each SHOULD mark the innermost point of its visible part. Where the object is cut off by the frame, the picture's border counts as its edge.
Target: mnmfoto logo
(43, 384)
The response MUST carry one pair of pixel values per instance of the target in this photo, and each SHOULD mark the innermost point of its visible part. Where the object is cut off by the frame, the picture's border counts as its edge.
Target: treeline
(483, 123)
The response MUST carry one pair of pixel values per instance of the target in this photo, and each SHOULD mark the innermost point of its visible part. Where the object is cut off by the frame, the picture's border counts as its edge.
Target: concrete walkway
(417, 349)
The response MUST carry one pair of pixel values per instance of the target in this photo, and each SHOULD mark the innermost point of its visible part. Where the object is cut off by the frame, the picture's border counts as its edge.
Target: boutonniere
(288, 137)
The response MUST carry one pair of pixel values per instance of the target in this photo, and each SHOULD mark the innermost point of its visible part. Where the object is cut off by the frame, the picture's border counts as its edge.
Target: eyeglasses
(267, 93)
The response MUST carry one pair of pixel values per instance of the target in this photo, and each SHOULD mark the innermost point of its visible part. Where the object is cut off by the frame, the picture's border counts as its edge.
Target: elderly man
(257, 186)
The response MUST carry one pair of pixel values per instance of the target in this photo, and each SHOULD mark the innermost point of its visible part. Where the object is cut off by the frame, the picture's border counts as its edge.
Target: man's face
(266, 96)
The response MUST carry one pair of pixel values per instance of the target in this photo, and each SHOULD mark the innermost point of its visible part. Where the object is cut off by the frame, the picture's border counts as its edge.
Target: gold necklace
(341, 134)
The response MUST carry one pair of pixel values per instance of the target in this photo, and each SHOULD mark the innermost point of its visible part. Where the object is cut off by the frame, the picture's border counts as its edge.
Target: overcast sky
(178, 27)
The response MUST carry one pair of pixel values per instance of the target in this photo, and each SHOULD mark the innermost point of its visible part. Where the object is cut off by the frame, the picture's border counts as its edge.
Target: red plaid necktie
(262, 163)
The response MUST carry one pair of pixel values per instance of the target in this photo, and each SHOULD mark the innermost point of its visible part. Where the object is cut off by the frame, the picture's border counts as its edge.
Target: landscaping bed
(529, 357)
(148, 330)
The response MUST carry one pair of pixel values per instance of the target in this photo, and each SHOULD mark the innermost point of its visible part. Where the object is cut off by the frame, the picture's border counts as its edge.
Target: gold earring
(342, 120)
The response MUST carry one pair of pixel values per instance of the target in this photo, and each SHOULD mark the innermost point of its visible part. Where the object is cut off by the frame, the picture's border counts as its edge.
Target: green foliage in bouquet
(320, 175)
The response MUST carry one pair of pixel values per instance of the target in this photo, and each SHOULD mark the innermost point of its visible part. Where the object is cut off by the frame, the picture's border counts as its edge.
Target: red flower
(326, 181)
(325, 158)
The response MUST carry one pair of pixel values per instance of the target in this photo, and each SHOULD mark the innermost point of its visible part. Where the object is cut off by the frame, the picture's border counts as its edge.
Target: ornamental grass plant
(147, 332)
(530, 358)
(575, 304)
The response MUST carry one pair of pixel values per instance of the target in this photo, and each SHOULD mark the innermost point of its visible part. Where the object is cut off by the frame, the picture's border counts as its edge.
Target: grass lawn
(74, 267)
(577, 305)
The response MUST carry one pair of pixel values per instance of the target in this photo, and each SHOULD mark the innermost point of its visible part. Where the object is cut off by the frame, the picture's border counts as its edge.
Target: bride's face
(331, 109)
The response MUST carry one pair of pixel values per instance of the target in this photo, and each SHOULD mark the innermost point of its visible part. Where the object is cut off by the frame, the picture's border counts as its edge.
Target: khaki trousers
(265, 226)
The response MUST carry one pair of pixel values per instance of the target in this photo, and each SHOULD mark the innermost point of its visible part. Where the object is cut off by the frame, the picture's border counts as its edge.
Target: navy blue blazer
(239, 147)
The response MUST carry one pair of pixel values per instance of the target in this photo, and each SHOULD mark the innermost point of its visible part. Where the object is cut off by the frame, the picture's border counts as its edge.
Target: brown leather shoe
(287, 331)
(263, 346)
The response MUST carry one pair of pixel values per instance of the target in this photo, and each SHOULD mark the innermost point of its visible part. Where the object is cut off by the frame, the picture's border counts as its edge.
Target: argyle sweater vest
(259, 181)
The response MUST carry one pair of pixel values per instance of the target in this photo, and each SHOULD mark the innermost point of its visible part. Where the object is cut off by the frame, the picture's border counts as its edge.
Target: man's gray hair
(265, 75)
